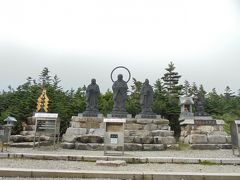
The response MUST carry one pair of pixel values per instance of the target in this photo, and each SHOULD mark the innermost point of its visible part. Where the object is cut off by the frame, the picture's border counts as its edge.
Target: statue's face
(146, 81)
(93, 81)
(120, 77)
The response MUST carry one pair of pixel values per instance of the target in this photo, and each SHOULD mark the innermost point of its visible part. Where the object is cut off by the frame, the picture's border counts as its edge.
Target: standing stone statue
(146, 98)
(92, 94)
(119, 95)
(199, 106)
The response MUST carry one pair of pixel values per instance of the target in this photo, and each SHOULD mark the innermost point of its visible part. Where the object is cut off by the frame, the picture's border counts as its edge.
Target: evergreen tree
(194, 89)
(228, 92)
(186, 88)
(171, 80)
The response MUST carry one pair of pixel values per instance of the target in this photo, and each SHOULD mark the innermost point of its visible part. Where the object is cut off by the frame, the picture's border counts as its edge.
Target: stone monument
(87, 128)
(92, 95)
(146, 101)
(199, 129)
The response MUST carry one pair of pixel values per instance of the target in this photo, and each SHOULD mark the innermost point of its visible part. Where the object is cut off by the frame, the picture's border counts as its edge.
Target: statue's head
(146, 81)
(120, 77)
(93, 81)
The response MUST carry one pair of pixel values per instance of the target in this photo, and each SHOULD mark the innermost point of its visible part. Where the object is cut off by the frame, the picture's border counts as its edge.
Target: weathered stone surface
(214, 139)
(198, 139)
(204, 146)
(143, 140)
(129, 139)
(131, 120)
(164, 127)
(144, 121)
(66, 145)
(25, 133)
(45, 138)
(150, 127)
(161, 121)
(88, 146)
(17, 138)
(138, 133)
(218, 133)
(28, 138)
(198, 131)
(162, 133)
(229, 139)
(132, 147)
(186, 140)
(89, 139)
(96, 132)
(76, 131)
(69, 138)
(115, 163)
(31, 120)
(133, 126)
(153, 147)
(225, 146)
(204, 128)
(164, 140)
(23, 144)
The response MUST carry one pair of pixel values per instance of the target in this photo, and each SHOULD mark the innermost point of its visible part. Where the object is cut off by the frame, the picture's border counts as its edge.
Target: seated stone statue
(146, 98)
(119, 95)
(92, 94)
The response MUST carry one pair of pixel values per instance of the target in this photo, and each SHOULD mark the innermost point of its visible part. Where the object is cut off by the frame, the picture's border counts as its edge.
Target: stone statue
(146, 98)
(119, 95)
(92, 94)
(199, 106)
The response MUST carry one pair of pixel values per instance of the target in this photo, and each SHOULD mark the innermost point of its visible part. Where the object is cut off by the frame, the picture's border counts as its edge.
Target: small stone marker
(115, 163)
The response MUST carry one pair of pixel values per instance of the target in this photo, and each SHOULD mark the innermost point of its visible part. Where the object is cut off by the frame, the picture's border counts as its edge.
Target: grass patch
(208, 163)
(184, 147)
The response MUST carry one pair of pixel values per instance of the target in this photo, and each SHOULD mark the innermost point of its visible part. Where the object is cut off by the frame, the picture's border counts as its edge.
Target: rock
(161, 121)
(76, 131)
(229, 139)
(198, 139)
(162, 133)
(23, 144)
(45, 138)
(214, 139)
(139, 133)
(153, 147)
(66, 145)
(96, 132)
(25, 133)
(143, 140)
(29, 138)
(132, 147)
(133, 126)
(131, 120)
(150, 127)
(89, 146)
(115, 163)
(204, 146)
(17, 138)
(89, 139)
(164, 127)
(144, 121)
(69, 138)
(129, 139)
(225, 146)
(218, 133)
(164, 140)
(31, 120)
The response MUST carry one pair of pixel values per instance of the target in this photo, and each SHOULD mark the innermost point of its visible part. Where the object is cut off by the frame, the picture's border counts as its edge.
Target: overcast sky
(83, 39)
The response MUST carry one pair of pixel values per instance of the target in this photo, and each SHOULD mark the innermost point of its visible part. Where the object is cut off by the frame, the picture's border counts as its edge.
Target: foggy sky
(80, 40)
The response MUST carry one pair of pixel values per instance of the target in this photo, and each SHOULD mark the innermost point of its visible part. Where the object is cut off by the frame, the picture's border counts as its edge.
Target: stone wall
(87, 133)
(205, 136)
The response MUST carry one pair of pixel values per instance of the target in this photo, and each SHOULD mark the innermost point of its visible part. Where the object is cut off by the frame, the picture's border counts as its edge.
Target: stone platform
(87, 133)
(204, 132)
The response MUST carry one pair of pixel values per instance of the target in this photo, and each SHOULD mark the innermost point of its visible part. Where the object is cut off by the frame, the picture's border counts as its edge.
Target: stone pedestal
(85, 133)
(204, 132)
(26, 137)
(148, 134)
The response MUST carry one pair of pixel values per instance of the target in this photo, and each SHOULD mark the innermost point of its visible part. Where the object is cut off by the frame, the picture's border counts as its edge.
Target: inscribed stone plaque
(205, 122)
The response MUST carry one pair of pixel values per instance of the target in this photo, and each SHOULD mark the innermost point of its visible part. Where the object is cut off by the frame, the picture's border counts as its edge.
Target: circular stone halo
(122, 67)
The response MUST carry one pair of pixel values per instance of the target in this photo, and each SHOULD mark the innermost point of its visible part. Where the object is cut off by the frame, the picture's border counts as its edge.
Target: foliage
(21, 102)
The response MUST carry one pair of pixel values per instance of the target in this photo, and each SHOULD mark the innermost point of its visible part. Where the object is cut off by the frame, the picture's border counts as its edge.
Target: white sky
(82, 39)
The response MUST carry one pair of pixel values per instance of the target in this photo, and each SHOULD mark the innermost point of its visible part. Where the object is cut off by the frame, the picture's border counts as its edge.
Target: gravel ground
(151, 167)
(169, 153)
(18, 178)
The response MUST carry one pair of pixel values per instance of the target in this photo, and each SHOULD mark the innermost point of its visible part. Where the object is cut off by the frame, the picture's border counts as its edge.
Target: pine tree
(194, 89)
(44, 77)
(171, 79)
(228, 92)
(186, 88)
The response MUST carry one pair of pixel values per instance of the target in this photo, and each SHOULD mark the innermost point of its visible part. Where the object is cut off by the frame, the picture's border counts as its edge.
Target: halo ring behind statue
(122, 68)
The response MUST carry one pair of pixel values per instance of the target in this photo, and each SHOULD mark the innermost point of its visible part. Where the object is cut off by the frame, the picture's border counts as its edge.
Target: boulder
(154, 147)
(214, 139)
(198, 139)
(164, 140)
(17, 138)
(143, 140)
(96, 132)
(89, 139)
(132, 147)
(150, 127)
(66, 145)
(69, 138)
(76, 131)
(133, 126)
(162, 133)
